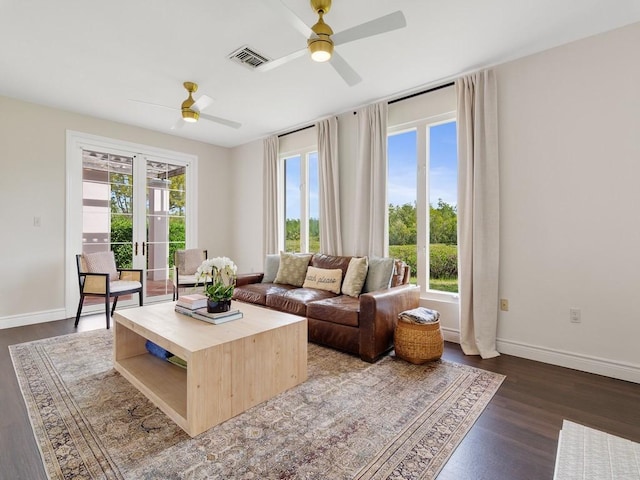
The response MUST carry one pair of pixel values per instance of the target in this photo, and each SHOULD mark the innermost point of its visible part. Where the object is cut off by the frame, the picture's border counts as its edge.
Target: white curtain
(478, 212)
(330, 234)
(270, 209)
(371, 232)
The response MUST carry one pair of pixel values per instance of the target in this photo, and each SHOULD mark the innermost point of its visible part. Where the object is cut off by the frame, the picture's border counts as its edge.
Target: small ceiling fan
(191, 110)
(321, 40)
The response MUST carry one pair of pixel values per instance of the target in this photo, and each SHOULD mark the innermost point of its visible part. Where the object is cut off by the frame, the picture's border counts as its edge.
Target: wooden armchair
(186, 262)
(99, 277)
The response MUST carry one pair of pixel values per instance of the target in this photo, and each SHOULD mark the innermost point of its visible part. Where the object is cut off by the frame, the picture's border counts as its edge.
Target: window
(422, 195)
(301, 202)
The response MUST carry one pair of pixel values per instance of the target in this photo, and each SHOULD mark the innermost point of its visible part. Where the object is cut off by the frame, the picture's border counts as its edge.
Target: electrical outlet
(574, 315)
(504, 304)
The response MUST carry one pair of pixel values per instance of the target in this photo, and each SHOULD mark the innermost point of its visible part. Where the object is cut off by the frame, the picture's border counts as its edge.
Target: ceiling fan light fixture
(189, 115)
(321, 48)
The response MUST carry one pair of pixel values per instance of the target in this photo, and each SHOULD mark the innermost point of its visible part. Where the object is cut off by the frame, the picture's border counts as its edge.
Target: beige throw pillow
(323, 279)
(355, 276)
(293, 268)
(102, 262)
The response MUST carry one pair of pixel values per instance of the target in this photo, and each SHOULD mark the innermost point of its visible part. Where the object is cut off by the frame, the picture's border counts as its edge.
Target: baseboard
(450, 334)
(23, 319)
(576, 361)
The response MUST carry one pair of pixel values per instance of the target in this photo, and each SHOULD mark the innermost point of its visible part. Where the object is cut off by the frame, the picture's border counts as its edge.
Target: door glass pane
(107, 203)
(166, 210)
(443, 207)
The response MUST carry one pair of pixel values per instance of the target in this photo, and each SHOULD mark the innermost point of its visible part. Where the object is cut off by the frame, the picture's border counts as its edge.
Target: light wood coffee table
(230, 367)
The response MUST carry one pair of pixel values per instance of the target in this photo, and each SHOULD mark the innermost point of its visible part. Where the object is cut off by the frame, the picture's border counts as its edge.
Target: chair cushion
(122, 285)
(190, 280)
(101, 262)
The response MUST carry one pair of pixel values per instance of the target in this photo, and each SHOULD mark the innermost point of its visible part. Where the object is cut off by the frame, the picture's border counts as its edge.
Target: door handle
(135, 248)
(142, 248)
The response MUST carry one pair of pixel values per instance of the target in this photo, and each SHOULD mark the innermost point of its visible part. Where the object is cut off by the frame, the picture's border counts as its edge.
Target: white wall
(247, 246)
(32, 183)
(570, 165)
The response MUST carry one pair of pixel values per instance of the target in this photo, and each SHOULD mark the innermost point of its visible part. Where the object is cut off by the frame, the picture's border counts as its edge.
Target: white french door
(135, 200)
(162, 216)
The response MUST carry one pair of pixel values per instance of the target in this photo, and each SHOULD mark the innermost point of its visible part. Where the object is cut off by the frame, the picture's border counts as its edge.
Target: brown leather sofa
(363, 326)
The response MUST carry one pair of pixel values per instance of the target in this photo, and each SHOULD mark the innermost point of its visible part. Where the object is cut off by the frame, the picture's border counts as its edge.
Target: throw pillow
(293, 268)
(193, 258)
(379, 275)
(271, 265)
(355, 276)
(323, 279)
(102, 262)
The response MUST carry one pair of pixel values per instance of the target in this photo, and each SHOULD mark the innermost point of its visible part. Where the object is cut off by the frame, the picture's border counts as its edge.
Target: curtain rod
(295, 131)
(433, 89)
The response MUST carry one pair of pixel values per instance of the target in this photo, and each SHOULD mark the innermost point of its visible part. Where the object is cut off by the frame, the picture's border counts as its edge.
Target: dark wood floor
(514, 439)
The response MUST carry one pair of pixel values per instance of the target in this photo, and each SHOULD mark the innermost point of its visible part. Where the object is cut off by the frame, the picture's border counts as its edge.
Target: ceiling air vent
(248, 57)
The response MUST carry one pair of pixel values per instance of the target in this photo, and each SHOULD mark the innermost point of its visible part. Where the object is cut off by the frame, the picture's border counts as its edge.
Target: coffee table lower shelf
(163, 383)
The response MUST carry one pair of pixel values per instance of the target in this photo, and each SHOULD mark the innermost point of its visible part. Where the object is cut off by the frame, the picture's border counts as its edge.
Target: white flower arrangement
(219, 277)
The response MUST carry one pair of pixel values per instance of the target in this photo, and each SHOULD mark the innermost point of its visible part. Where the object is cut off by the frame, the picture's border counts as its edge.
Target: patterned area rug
(349, 420)
(588, 454)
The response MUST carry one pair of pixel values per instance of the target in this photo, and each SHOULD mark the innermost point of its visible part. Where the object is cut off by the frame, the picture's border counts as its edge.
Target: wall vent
(248, 57)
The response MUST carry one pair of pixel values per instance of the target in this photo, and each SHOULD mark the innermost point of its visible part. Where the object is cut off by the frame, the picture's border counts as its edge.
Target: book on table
(192, 301)
(215, 318)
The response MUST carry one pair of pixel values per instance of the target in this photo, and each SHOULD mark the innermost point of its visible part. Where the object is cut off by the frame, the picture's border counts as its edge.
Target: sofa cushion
(323, 279)
(355, 277)
(293, 268)
(271, 265)
(320, 260)
(257, 292)
(379, 274)
(296, 300)
(343, 310)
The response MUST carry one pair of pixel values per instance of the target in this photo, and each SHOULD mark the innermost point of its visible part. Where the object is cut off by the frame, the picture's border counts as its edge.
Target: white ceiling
(94, 57)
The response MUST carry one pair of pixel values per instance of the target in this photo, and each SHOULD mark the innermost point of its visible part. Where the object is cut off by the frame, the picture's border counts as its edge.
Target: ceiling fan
(321, 40)
(191, 110)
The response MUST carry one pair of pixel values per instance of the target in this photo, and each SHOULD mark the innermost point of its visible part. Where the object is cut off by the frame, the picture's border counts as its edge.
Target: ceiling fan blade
(222, 121)
(179, 124)
(387, 23)
(347, 73)
(291, 17)
(153, 104)
(265, 67)
(201, 103)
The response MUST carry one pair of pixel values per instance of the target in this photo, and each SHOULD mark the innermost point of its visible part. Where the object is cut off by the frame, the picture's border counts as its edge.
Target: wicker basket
(419, 343)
